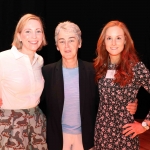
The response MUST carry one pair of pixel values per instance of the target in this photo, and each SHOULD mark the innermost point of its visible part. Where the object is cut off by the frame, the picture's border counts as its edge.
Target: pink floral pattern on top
(112, 112)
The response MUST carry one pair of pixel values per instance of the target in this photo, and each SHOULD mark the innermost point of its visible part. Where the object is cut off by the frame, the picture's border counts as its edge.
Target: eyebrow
(31, 29)
(117, 35)
(69, 38)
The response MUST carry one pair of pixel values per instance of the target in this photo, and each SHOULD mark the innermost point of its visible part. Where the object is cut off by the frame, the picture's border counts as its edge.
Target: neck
(114, 60)
(70, 63)
(30, 54)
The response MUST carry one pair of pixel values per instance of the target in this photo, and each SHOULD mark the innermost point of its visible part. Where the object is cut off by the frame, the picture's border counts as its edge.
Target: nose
(34, 35)
(66, 44)
(113, 42)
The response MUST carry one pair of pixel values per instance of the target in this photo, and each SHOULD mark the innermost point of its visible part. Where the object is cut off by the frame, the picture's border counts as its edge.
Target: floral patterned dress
(112, 112)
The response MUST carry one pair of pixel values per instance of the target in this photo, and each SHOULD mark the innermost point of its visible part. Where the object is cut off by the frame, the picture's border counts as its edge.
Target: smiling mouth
(33, 42)
(114, 48)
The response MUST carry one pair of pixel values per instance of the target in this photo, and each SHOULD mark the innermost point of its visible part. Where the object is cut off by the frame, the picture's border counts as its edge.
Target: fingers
(126, 130)
(135, 103)
(127, 125)
(132, 112)
(133, 129)
(134, 135)
(129, 131)
(132, 107)
(136, 100)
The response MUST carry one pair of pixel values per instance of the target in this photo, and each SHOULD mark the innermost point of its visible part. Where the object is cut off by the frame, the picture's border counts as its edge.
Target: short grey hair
(68, 26)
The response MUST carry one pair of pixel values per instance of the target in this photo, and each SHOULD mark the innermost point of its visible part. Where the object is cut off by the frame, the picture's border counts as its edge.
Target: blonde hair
(69, 27)
(23, 20)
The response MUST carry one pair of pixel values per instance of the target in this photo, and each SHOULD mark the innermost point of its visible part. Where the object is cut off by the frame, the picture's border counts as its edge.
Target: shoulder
(5, 53)
(87, 65)
(52, 66)
(51, 70)
(139, 65)
(6, 56)
(140, 69)
(40, 60)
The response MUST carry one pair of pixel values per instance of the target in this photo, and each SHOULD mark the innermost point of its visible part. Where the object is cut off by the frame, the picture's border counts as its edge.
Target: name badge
(110, 74)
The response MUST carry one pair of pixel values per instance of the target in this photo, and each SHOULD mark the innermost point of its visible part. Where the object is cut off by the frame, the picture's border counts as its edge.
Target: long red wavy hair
(128, 57)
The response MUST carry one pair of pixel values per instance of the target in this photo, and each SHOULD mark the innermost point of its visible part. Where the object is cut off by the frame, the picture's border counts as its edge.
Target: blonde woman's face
(31, 36)
(114, 41)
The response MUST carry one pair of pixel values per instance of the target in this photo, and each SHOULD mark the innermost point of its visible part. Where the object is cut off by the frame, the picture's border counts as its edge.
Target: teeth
(33, 42)
(114, 48)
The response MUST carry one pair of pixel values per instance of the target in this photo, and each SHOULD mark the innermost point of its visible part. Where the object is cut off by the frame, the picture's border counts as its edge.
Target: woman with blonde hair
(119, 74)
(22, 123)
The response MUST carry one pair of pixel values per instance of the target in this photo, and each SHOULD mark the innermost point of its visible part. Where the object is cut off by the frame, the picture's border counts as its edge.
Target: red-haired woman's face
(114, 42)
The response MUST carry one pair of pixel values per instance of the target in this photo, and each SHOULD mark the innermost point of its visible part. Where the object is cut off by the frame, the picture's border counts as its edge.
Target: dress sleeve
(148, 116)
(143, 78)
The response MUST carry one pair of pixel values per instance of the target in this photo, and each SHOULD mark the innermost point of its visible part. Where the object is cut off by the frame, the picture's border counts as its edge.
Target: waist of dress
(30, 111)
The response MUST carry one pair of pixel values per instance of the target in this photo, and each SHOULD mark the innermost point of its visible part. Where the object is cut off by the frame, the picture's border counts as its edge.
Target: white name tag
(110, 74)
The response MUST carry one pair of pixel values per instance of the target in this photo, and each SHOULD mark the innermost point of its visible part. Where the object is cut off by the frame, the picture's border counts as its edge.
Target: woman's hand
(133, 128)
(132, 107)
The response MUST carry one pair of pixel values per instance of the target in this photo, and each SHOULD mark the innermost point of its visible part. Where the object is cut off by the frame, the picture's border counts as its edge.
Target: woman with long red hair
(119, 74)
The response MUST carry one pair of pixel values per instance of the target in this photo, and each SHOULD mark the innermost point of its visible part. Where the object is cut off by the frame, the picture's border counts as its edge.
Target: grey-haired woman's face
(68, 44)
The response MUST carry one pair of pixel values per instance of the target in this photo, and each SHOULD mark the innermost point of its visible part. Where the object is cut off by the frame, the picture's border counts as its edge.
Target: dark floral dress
(112, 112)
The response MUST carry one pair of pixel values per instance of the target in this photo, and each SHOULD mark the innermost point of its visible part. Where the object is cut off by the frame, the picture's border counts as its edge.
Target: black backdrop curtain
(91, 16)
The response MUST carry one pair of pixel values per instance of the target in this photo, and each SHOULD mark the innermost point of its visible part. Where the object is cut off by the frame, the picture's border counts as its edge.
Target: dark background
(91, 16)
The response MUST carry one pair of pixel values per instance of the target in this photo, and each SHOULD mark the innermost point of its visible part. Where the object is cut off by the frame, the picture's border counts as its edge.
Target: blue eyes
(38, 31)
